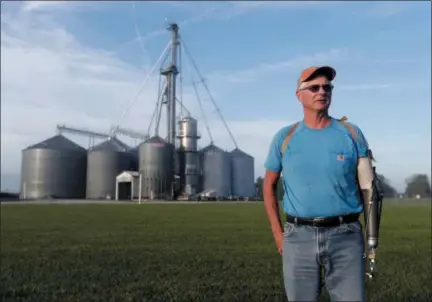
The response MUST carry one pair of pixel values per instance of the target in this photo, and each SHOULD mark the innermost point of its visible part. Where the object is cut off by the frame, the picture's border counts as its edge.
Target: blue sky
(80, 63)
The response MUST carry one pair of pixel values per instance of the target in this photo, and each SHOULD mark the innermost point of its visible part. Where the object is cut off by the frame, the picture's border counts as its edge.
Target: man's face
(315, 94)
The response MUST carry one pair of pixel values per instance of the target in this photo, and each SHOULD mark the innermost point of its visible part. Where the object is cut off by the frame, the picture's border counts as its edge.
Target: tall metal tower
(170, 73)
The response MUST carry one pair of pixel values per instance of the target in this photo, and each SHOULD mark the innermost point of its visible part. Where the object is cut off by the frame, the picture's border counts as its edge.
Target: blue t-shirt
(319, 169)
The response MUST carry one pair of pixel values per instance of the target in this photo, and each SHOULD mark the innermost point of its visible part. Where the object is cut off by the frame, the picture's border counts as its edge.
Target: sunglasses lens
(327, 87)
(314, 88)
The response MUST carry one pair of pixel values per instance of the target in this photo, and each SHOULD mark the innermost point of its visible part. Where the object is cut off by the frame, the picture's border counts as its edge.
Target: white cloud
(29, 6)
(51, 6)
(223, 11)
(207, 13)
(49, 78)
(297, 63)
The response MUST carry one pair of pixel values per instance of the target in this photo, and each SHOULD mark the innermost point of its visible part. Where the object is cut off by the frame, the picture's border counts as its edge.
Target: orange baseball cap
(327, 71)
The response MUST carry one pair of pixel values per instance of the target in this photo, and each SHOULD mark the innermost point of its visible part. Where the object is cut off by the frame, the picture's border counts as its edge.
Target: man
(318, 161)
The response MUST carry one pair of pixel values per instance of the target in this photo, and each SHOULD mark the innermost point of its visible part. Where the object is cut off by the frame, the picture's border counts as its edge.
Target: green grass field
(202, 252)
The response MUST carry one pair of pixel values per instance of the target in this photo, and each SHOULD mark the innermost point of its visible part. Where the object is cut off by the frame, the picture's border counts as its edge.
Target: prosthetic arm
(372, 197)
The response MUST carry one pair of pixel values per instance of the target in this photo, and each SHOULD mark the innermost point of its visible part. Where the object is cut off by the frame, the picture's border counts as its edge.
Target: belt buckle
(317, 220)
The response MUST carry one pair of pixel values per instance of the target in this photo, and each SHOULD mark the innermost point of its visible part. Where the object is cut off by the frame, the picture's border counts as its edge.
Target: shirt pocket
(341, 164)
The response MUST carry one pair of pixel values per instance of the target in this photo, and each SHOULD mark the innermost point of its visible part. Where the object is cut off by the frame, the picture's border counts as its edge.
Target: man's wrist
(277, 231)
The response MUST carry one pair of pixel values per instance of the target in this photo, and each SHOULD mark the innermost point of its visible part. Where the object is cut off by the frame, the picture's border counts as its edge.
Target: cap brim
(327, 71)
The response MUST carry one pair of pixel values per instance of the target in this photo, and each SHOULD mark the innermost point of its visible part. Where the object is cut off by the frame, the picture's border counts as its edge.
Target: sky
(89, 65)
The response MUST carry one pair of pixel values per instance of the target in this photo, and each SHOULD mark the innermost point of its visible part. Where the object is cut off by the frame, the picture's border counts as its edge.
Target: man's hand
(279, 242)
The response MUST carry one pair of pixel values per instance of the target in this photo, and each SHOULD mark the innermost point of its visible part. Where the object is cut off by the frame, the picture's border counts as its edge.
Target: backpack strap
(288, 137)
(349, 127)
(342, 120)
(354, 134)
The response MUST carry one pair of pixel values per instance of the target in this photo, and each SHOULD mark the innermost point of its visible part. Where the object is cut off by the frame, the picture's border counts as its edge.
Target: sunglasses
(316, 88)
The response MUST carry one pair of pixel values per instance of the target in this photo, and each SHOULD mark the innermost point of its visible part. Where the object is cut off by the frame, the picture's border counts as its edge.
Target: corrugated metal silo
(104, 162)
(53, 168)
(200, 172)
(243, 179)
(216, 171)
(156, 165)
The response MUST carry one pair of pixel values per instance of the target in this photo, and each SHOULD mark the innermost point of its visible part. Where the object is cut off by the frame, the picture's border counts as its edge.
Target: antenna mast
(170, 73)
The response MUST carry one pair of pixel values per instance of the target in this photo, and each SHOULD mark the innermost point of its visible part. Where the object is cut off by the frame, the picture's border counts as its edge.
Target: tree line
(416, 185)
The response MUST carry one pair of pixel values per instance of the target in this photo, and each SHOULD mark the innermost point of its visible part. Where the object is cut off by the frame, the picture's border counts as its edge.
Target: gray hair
(304, 84)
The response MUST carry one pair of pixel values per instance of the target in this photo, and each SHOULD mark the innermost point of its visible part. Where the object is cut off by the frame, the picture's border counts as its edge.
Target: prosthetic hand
(372, 198)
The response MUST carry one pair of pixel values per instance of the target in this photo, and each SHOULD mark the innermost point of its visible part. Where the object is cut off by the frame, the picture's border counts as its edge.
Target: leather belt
(324, 221)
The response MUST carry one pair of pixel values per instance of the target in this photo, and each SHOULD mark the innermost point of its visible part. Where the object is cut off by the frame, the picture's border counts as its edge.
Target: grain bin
(216, 171)
(243, 179)
(53, 168)
(156, 165)
(104, 162)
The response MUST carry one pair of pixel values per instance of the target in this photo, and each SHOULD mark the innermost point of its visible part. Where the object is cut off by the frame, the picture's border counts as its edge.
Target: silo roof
(155, 139)
(188, 118)
(238, 152)
(113, 144)
(57, 142)
(213, 148)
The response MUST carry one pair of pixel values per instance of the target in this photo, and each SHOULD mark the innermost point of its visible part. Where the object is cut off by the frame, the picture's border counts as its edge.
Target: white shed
(128, 183)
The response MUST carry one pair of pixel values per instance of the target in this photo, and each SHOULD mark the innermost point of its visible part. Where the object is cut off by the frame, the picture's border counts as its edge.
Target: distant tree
(388, 190)
(259, 187)
(418, 184)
